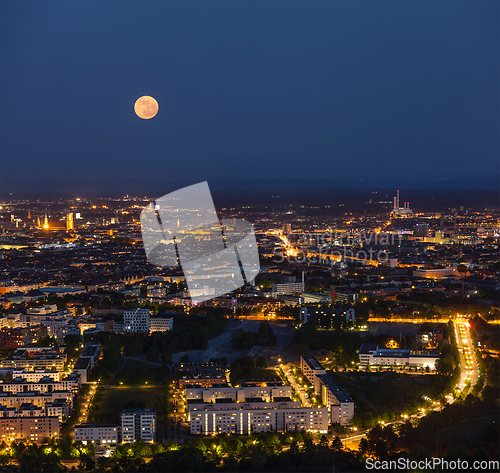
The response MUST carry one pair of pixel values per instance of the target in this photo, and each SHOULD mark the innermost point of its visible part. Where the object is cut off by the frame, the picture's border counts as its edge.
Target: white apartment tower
(136, 321)
(138, 424)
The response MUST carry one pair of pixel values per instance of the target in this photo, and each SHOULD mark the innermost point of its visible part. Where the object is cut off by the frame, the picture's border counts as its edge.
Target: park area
(390, 394)
(107, 406)
(140, 372)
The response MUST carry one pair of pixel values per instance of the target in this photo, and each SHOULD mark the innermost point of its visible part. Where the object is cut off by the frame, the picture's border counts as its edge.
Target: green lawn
(114, 400)
(261, 373)
(392, 393)
(138, 372)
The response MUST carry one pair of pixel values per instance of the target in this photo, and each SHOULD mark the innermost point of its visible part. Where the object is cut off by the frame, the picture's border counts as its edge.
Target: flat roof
(91, 426)
(89, 351)
(393, 352)
(312, 362)
(367, 348)
(82, 364)
(333, 385)
(146, 410)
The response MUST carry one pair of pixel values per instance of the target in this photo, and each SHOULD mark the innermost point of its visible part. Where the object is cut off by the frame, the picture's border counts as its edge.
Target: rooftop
(312, 362)
(367, 348)
(91, 426)
(333, 385)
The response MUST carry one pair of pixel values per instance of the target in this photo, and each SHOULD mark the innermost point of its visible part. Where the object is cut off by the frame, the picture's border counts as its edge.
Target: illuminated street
(468, 362)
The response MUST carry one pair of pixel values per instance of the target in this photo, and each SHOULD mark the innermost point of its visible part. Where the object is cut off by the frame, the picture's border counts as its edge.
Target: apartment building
(35, 429)
(31, 360)
(32, 376)
(136, 321)
(160, 324)
(201, 380)
(339, 403)
(43, 310)
(311, 368)
(34, 397)
(20, 385)
(58, 408)
(18, 337)
(82, 368)
(91, 351)
(251, 418)
(287, 288)
(224, 391)
(138, 424)
(105, 434)
(24, 410)
(72, 382)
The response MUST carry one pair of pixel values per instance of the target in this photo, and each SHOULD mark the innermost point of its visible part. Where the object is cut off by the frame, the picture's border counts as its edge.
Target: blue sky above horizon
(250, 89)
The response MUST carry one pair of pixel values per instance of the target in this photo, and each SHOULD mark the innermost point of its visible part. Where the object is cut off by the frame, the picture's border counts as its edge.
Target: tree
(337, 444)
(364, 447)
(302, 349)
(262, 362)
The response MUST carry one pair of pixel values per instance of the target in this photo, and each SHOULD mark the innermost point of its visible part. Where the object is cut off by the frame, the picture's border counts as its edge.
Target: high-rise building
(69, 221)
(136, 321)
(138, 424)
(287, 228)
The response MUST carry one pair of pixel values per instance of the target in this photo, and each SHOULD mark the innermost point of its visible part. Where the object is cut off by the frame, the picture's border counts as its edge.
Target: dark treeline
(248, 367)
(344, 344)
(244, 340)
(265, 452)
(437, 434)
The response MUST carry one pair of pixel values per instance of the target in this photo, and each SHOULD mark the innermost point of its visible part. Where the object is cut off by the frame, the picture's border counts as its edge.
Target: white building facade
(159, 324)
(105, 434)
(249, 419)
(136, 321)
(312, 368)
(267, 393)
(138, 424)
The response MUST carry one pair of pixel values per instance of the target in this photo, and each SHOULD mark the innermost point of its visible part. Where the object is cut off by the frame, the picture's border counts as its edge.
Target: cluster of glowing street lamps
(89, 398)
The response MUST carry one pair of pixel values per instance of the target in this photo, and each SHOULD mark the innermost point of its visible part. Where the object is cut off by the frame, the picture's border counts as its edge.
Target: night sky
(387, 90)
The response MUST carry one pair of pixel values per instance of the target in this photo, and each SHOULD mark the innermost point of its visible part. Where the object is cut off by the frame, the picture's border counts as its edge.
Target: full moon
(146, 107)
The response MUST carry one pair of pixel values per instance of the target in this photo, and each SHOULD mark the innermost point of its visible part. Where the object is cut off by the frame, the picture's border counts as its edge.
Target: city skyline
(249, 236)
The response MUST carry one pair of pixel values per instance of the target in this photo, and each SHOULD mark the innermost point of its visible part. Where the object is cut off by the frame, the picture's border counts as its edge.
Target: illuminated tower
(38, 223)
(46, 222)
(69, 222)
